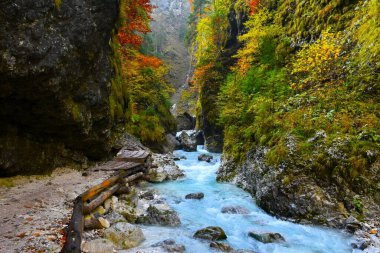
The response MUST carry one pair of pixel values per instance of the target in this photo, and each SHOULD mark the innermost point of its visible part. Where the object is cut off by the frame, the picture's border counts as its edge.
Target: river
(197, 214)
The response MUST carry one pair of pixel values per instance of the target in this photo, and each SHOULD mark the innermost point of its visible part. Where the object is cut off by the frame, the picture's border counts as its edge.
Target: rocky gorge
(267, 97)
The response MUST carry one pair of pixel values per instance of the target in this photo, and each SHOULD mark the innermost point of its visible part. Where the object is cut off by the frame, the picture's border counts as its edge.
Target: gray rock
(124, 235)
(198, 195)
(235, 210)
(163, 217)
(244, 251)
(114, 217)
(185, 122)
(267, 237)
(221, 246)
(98, 246)
(188, 143)
(211, 234)
(352, 224)
(164, 168)
(56, 60)
(205, 157)
(170, 246)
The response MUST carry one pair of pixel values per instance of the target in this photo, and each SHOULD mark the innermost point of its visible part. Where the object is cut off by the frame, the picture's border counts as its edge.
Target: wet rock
(352, 224)
(188, 142)
(221, 246)
(198, 195)
(244, 251)
(211, 234)
(185, 122)
(200, 139)
(148, 195)
(170, 246)
(98, 246)
(164, 168)
(235, 210)
(124, 235)
(160, 216)
(267, 237)
(284, 190)
(205, 158)
(114, 217)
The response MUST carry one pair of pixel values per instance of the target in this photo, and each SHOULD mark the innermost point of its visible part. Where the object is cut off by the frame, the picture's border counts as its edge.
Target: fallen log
(89, 207)
(91, 193)
(75, 229)
(132, 178)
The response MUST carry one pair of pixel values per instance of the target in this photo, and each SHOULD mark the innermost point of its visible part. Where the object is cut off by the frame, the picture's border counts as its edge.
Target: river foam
(197, 214)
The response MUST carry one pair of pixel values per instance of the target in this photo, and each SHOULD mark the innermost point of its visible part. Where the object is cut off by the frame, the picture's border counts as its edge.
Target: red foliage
(253, 4)
(149, 61)
(137, 19)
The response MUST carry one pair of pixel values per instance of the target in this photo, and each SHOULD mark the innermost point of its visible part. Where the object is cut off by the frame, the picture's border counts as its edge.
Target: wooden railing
(129, 166)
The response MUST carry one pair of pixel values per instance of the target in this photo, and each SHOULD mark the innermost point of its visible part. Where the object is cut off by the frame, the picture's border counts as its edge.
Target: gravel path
(36, 209)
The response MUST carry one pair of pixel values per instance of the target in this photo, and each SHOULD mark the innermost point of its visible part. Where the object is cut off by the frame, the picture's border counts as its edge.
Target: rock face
(211, 234)
(125, 235)
(288, 191)
(185, 122)
(267, 237)
(55, 74)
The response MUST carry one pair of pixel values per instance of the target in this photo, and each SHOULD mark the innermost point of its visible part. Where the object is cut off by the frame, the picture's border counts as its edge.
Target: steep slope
(300, 106)
(167, 40)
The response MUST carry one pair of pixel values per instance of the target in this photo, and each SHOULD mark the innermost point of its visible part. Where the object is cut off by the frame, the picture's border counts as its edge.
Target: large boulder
(160, 215)
(197, 195)
(98, 246)
(55, 77)
(185, 122)
(205, 158)
(124, 235)
(188, 142)
(164, 168)
(170, 246)
(266, 237)
(221, 246)
(211, 234)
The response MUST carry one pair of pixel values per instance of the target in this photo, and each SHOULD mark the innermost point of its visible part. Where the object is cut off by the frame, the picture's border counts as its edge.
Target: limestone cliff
(55, 77)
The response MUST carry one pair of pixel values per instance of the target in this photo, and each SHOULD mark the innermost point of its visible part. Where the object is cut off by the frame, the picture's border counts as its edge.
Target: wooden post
(75, 229)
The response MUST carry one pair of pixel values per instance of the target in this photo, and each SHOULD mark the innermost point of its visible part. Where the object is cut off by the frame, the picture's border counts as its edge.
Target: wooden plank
(95, 190)
(116, 165)
(75, 229)
(133, 156)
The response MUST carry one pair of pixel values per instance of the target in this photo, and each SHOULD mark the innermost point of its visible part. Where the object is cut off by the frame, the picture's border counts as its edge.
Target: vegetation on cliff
(305, 85)
(140, 94)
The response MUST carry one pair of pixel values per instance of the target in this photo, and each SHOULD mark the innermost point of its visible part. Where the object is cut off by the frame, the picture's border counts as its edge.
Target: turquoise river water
(197, 214)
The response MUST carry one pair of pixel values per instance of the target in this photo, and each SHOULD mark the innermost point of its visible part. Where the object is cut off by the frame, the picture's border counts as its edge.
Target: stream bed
(197, 214)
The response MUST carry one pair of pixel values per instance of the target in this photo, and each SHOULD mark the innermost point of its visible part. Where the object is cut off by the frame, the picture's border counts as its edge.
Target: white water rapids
(197, 214)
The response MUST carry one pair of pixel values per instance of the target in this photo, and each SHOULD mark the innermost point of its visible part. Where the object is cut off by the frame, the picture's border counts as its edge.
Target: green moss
(6, 182)
(58, 4)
